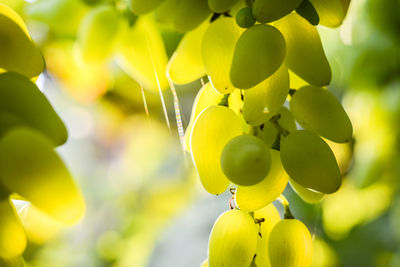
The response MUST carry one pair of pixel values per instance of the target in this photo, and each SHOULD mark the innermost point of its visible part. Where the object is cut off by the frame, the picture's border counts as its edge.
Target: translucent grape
(307, 11)
(307, 195)
(305, 55)
(244, 18)
(331, 12)
(245, 160)
(142, 7)
(265, 11)
(221, 6)
(233, 240)
(318, 110)
(290, 244)
(251, 198)
(213, 128)
(259, 52)
(310, 162)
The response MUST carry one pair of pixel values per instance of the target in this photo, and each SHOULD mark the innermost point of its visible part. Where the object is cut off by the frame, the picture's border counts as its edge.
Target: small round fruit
(244, 18)
(245, 160)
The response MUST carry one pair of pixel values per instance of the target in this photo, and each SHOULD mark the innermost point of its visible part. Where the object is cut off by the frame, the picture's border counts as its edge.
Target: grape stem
(288, 214)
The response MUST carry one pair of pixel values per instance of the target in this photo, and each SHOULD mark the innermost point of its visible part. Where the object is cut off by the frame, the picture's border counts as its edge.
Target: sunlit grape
(244, 18)
(307, 195)
(331, 12)
(270, 10)
(221, 6)
(142, 7)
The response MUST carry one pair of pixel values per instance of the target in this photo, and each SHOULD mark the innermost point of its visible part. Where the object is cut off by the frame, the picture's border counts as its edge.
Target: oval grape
(221, 6)
(140, 7)
(266, 11)
(244, 18)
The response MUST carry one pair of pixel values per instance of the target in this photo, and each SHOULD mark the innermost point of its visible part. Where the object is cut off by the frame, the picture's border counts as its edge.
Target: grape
(318, 110)
(265, 99)
(183, 16)
(245, 160)
(306, 194)
(310, 162)
(186, 64)
(221, 6)
(206, 97)
(265, 11)
(204, 263)
(142, 55)
(12, 235)
(233, 240)
(8, 121)
(267, 132)
(251, 198)
(305, 55)
(290, 244)
(97, 33)
(271, 218)
(217, 51)
(17, 51)
(307, 11)
(286, 120)
(20, 97)
(30, 167)
(140, 7)
(12, 262)
(331, 12)
(259, 52)
(213, 128)
(244, 18)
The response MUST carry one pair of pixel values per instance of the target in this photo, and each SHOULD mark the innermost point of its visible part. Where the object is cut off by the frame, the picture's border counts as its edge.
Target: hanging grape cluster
(30, 129)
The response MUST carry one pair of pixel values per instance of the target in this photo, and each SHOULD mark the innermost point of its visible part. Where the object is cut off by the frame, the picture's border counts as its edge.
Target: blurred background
(145, 203)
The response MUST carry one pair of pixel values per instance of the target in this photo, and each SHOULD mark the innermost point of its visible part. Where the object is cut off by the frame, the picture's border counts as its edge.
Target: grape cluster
(30, 129)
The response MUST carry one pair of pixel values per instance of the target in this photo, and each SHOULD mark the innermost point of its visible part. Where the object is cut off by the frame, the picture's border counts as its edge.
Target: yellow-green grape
(265, 11)
(267, 132)
(18, 53)
(305, 55)
(97, 33)
(251, 198)
(204, 263)
(233, 240)
(213, 129)
(217, 51)
(286, 120)
(21, 98)
(142, 55)
(318, 110)
(9, 121)
(259, 53)
(186, 64)
(140, 7)
(310, 162)
(244, 18)
(307, 195)
(30, 167)
(331, 12)
(245, 160)
(221, 6)
(270, 217)
(265, 99)
(307, 11)
(290, 244)
(12, 262)
(206, 97)
(12, 235)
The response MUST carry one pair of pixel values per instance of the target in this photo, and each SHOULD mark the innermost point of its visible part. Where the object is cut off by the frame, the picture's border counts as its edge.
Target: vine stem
(288, 214)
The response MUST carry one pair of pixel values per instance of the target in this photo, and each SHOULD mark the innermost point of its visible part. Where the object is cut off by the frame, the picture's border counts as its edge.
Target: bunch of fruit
(30, 129)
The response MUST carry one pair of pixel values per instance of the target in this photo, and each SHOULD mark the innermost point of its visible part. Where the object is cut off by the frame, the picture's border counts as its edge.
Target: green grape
(140, 7)
(183, 16)
(245, 160)
(217, 50)
(305, 55)
(9, 121)
(265, 99)
(12, 262)
(290, 244)
(307, 195)
(97, 33)
(267, 132)
(212, 130)
(233, 240)
(142, 55)
(20, 97)
(271, 217)
(30, 167)
(286, 120)
(17, 51)
(307, 11)
(206, 97)
(12, 235)
(186, 64)
(266, 11)
(259, 53)
(310, 162)
(318, 110)
(221, 6)
(244, 18)
(251, 198)
(331, 12)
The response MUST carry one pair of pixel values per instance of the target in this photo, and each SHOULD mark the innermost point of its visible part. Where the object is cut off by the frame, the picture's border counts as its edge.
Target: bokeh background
(145, 204)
